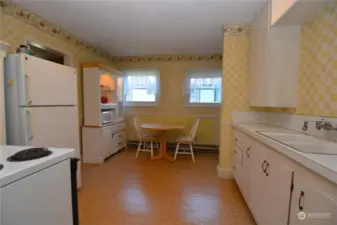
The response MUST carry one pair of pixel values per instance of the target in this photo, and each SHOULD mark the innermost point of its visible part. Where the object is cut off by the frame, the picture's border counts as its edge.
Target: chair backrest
(137, 125)
(194, 129)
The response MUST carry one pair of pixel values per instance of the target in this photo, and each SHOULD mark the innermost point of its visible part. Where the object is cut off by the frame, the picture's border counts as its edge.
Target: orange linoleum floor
(129, 191)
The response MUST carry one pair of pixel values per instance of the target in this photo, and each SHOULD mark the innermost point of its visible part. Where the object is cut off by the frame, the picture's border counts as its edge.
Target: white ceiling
(147, 27)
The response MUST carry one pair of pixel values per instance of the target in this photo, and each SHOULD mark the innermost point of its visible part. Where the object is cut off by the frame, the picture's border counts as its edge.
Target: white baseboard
(225, 173)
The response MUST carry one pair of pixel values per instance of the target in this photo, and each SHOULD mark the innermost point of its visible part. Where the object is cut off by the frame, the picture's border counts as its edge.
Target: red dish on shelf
(104, 99)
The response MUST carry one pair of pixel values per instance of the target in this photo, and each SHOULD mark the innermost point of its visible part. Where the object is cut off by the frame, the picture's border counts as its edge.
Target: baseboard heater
(172, 146)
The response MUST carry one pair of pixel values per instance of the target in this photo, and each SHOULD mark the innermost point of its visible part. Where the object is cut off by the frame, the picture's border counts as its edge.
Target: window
(141, 87)
(204, 88)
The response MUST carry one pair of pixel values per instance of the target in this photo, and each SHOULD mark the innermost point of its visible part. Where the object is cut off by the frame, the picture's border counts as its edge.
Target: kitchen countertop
(324, 165)
(13, 171)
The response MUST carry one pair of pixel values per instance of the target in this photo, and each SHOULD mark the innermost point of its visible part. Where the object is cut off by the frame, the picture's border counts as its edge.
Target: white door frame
(3, 49)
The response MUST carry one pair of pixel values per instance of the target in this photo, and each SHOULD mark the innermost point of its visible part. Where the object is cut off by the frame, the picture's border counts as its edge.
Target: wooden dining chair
(187, 140)
(146, 140)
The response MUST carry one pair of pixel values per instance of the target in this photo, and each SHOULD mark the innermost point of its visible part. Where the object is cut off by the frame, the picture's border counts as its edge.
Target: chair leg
(191, 148)
(157, 145)
(176, 152)
(138, 149)
(151, 148)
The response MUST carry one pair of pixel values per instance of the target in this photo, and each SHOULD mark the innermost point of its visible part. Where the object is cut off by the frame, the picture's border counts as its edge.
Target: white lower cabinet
(241, 163)
(270, 187)
(277, 188)
(258, 202)
(314, 202)
(101, 142)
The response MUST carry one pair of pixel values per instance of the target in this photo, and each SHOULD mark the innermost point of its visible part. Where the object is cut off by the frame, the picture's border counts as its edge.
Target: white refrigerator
(41, 104)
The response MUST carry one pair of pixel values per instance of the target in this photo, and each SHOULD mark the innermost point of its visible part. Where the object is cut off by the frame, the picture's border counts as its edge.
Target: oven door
(47, 197)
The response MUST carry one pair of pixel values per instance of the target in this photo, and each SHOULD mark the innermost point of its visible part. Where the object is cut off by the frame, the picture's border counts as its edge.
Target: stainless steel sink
(303, 143)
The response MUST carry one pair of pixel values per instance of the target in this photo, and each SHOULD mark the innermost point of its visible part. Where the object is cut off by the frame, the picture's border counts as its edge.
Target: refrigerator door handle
(28, 88)
(29, 124)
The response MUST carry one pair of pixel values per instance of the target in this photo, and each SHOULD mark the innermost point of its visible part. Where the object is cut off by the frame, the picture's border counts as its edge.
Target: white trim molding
(3, 50)
(225, 173)
(4, 46)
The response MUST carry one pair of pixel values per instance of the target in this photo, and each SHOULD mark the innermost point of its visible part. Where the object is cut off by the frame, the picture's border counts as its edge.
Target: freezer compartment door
(42, 82)
(50, 127)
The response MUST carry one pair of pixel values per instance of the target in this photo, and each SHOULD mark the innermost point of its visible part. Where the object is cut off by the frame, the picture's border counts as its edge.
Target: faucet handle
(319, 124)
(305, 125)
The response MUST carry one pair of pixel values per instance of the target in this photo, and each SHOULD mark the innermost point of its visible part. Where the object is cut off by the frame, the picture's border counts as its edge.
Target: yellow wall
(13, 30)
(317, 90)
(317, 93)
(171, 107)
(235, 70)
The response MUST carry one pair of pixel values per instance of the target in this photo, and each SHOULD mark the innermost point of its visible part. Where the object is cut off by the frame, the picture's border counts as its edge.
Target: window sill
(141, 104)
(203, 105)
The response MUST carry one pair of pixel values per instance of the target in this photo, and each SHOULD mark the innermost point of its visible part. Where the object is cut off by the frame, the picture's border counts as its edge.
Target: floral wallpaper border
(11, 8)
(216, 57)
(235, 30)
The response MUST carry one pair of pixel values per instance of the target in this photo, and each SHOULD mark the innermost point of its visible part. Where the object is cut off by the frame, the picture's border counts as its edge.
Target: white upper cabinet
(99, 82)
(274, 62)
(295, 12)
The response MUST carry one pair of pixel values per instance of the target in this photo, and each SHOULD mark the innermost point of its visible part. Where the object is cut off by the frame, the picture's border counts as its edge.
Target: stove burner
(1, 166)
(30, 154)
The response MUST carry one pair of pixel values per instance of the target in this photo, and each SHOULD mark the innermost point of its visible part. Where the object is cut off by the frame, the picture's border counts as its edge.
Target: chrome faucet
(322, 124)
(325, 125)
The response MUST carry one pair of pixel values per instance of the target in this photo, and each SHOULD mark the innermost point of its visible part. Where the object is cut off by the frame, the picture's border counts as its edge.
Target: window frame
(156, 73)
(201, 73)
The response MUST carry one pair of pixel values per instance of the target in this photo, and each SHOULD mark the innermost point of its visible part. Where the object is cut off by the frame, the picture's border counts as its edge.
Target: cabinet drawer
(240, 140)
(237, 155)
(115, 127)
(119, 126)
(236, 170)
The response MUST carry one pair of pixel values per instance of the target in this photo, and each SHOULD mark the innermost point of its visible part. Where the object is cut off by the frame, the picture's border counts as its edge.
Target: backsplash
(289, 121)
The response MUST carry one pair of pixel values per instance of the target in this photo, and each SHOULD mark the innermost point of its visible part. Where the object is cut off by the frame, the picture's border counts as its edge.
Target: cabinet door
(279, 190)
(259, 60)
(237, 166)
(259, 184)
(315, 203)
(107, 141)
(247, 153)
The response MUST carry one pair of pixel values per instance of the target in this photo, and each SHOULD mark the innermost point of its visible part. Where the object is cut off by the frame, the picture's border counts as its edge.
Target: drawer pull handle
(248, 154)
(267, 173)
(264, 166)
(300, 203)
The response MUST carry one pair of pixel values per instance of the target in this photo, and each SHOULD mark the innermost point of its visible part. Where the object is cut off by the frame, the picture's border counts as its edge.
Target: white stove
(47, 183)
(12, 171)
